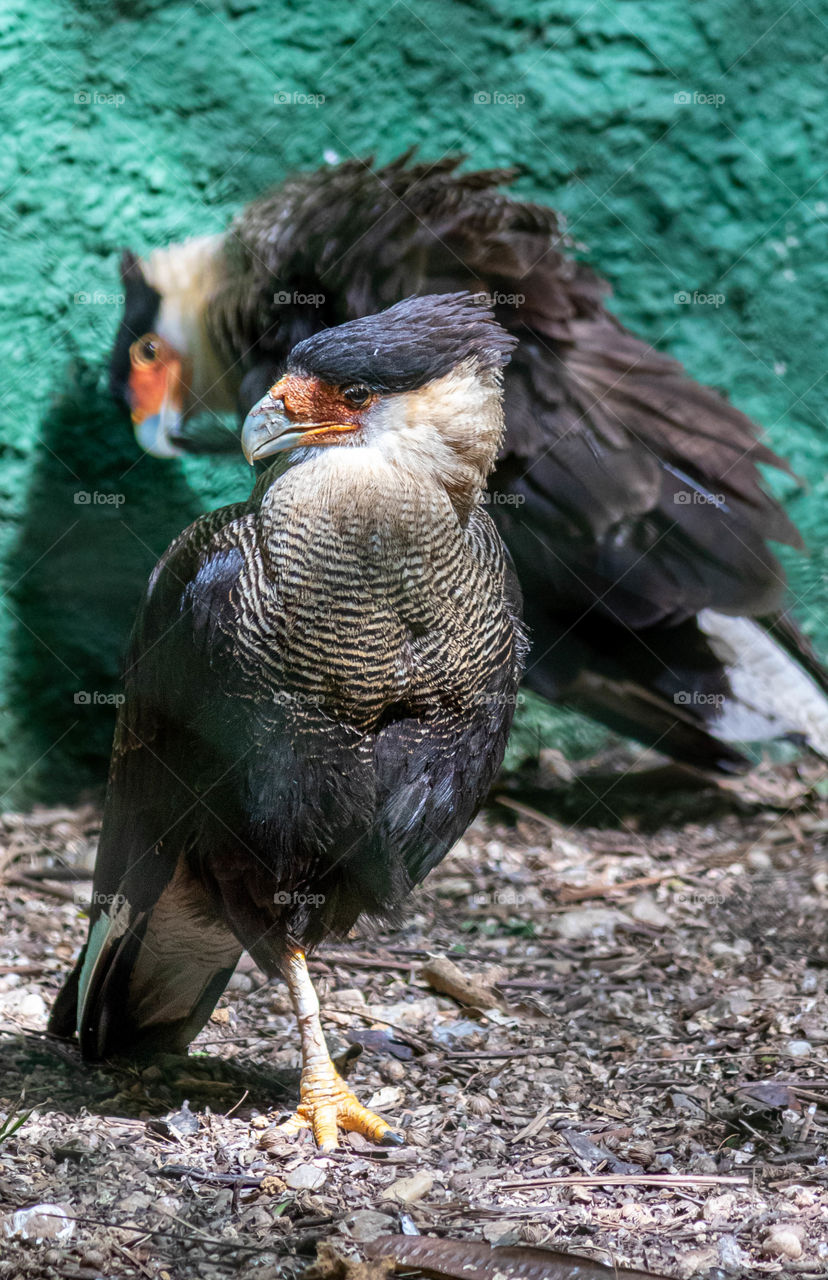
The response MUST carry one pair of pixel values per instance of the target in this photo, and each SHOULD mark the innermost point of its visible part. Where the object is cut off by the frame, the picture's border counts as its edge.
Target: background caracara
(319, 691)
(629, 496)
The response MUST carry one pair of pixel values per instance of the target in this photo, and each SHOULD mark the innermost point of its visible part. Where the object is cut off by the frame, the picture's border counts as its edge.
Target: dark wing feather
(152, 822)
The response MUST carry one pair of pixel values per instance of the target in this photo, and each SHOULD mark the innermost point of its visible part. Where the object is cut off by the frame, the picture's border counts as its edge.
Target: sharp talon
(327, 1105)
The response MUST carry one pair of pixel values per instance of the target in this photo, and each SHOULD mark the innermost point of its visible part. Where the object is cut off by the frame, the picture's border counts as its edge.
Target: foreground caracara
(629, 496)
(319, 691)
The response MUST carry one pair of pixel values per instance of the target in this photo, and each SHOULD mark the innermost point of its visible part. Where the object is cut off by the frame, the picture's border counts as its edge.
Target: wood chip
(445, 976)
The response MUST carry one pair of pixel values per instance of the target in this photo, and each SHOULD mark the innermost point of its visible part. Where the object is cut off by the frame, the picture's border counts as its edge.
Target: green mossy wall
(722, 197)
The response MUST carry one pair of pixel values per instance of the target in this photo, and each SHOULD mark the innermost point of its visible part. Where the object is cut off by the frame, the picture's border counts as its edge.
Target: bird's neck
(446, 434)
(355, 511)
(188, 276)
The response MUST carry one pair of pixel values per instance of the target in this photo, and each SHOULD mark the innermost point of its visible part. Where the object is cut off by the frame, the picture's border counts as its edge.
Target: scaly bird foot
(327, 1104)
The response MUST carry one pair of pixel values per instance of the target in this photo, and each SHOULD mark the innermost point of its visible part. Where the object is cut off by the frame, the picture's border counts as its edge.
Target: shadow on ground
(99, 513)
(42, 1069)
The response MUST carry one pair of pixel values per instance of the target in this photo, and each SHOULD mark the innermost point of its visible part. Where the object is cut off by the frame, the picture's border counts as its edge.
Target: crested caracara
(319, 691)
(629, 496)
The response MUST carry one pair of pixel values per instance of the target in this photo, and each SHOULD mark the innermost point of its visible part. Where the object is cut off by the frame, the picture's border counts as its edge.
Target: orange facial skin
(326, 409)
(156, 377)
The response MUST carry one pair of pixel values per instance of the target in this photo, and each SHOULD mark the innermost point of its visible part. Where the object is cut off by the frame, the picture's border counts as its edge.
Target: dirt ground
(640, 1077)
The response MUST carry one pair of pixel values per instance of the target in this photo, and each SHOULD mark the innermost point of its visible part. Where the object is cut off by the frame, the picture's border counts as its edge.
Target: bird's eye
(356, 395)
(145, 350)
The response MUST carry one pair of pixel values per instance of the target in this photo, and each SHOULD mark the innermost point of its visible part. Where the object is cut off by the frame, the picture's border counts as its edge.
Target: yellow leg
(326, 1103)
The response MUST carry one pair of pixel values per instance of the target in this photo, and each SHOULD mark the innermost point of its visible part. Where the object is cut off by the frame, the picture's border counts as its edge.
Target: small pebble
(367, 1224)
(40, 1222)
(588, 922)
(646, 910)
(409, 1190)
(782, 1241)
(306, 1177)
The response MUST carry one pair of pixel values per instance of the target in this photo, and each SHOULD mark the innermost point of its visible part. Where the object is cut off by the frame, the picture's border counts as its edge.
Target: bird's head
(163, 366)
(418, 386)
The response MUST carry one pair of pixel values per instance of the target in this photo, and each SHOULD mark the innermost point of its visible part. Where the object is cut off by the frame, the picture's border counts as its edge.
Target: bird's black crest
(141, 303)
(408, 345)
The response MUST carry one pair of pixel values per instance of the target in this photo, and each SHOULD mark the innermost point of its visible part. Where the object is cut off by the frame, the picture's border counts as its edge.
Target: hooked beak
(268, 429)
(157, 410)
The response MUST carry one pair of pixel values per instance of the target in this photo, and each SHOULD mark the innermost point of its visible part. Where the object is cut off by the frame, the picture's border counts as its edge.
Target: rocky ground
(603, 1030)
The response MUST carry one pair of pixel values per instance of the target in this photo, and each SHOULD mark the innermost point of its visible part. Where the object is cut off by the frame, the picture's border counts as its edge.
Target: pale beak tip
(251, 435)
(265, 431)
(155, 437)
